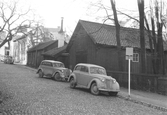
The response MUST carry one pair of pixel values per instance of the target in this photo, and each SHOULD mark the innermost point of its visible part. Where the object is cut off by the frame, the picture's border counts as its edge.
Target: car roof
(89, 65)
(51, 61)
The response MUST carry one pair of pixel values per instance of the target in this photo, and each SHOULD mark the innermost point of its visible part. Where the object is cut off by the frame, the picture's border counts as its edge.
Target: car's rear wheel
(94, 89)
(113, 93)
(57, 76)
(40, 73)
(72, 83)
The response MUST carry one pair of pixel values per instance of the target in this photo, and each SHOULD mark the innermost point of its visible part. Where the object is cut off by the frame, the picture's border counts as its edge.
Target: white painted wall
(60, 39)
(2, 49)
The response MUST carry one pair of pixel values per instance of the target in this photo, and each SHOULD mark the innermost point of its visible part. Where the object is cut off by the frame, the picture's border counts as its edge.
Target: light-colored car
(1, 58)
(93, 77)
(53, 69)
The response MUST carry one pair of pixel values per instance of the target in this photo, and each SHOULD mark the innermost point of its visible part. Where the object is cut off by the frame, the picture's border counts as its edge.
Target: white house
(5, 49)
(21, 44)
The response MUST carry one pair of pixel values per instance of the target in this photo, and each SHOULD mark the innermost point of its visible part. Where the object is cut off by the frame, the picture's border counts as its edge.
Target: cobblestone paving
(23, 93)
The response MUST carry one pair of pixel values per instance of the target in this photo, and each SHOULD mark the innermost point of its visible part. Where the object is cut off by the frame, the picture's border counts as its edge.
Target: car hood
(102, 76)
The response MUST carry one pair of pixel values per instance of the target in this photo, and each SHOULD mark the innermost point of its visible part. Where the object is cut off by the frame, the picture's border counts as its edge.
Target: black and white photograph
(83, 57)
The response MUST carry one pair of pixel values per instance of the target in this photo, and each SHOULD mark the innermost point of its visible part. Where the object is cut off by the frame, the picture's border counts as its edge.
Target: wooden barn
(96, 43)
(58, 54)
(34, 55)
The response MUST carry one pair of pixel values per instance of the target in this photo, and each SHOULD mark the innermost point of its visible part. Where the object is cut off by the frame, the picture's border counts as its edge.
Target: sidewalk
(149, 99)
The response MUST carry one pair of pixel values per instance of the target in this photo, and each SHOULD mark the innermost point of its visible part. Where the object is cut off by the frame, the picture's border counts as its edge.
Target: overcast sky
(51, 11)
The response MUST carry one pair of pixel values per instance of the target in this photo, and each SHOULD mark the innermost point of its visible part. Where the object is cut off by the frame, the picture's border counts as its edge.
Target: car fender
(72, 75)
(39, 70)
(94, 80)
(55, 73)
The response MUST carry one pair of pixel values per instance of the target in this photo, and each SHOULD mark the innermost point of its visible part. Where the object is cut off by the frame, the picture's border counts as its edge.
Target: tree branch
(128, 16)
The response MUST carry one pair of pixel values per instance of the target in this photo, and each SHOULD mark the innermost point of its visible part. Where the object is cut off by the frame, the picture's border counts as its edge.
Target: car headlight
(103, 79)
(61, 70)
(114, 81)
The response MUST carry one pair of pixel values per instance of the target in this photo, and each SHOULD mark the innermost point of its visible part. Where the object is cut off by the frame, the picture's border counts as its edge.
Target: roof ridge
(42, 45)
(108, 25)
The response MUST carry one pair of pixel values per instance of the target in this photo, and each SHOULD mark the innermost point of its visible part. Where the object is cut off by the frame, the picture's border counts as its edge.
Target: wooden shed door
(81, 57)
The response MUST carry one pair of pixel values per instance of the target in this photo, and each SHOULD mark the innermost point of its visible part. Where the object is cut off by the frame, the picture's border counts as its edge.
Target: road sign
(129, 53)
(129, 57)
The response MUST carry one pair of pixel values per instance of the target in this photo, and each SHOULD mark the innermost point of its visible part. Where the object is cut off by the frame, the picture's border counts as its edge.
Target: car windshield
(58, 64)
(97, 70)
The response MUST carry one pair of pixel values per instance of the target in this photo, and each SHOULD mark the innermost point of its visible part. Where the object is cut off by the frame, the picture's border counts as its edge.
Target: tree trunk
(117, 35)
(160, 51)
(142, 36)
(155, 47)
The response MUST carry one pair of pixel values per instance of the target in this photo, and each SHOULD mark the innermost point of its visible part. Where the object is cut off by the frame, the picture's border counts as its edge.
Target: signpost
(129, 57)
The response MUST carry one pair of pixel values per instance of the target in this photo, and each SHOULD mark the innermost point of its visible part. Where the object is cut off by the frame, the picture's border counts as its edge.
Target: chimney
(61, 35)
(61, 29)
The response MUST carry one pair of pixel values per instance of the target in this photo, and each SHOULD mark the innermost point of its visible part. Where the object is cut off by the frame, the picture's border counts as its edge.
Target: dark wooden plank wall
(35, 57)
(97, 54)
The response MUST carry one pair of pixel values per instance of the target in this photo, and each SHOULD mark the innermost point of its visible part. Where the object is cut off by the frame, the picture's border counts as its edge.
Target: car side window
(84, 69)
(43, 63)
(49, 64)
(78, 68)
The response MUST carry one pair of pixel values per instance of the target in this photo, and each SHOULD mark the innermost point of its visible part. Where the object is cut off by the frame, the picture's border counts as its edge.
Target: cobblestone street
(22, 92)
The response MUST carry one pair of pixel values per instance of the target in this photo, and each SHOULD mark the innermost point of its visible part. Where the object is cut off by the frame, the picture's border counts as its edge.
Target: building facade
(96, 43)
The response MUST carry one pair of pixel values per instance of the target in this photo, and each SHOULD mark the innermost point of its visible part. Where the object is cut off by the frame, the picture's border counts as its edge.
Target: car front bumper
(109, 88)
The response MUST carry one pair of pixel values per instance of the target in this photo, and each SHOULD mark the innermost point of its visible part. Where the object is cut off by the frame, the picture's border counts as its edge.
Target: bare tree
(13, 21)
(117, 26)
(39, 34)
(158, 21)
(142, 35)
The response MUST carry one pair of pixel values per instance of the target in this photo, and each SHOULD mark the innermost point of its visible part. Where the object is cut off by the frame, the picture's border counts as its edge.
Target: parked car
(1, 58)
(93, 77)
(8, 60)
(53, 69)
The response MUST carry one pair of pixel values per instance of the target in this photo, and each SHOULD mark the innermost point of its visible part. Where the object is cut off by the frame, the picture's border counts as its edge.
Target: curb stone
(143, 103)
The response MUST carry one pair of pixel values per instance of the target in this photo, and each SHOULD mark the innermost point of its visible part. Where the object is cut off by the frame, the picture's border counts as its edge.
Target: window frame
(86, 70)
(79, 66)
(135, 57)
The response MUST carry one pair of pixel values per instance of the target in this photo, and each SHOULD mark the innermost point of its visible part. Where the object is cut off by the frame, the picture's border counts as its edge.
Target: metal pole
(129, 78)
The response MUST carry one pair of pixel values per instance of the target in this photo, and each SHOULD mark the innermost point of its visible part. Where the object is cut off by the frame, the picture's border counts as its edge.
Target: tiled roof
(53, 52)
(42, 45)
(106, 34)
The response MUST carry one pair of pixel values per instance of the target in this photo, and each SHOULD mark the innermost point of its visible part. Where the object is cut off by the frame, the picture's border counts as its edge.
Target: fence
(146, 82)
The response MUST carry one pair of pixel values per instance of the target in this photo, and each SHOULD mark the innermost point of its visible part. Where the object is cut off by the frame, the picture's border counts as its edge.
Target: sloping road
(22, 92)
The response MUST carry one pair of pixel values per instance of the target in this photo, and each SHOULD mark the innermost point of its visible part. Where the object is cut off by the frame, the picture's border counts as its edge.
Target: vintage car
(53, 69)
(8, 60)
(93, 77)
(1, 58)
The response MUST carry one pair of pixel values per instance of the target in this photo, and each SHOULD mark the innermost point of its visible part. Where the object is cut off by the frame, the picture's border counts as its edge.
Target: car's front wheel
(57, 77)
(94, 89)
(40, 73)
(72, 83)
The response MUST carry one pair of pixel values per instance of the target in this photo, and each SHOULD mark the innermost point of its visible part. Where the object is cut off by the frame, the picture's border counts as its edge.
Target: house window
(135, 57)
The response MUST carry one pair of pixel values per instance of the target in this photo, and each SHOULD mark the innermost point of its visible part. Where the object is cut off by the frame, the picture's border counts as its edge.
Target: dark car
(8, 60)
